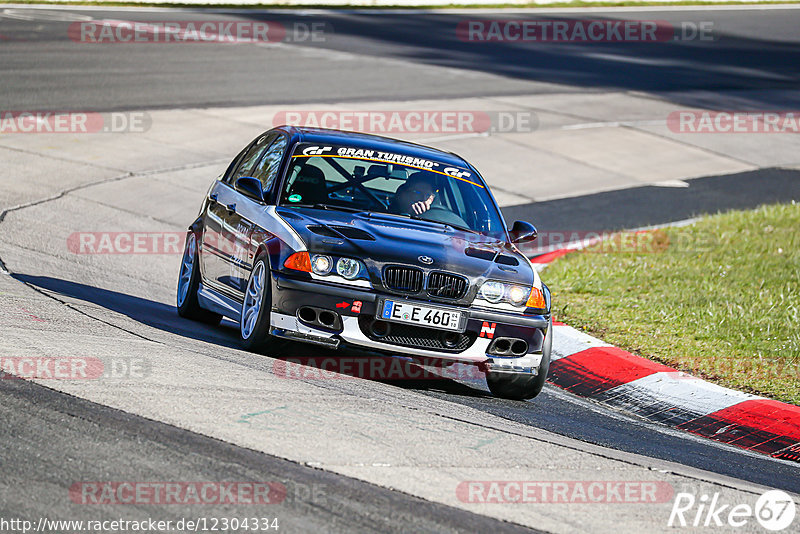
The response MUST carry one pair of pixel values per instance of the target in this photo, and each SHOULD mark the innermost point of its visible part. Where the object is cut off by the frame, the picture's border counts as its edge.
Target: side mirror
(523, 232)
(250, 186)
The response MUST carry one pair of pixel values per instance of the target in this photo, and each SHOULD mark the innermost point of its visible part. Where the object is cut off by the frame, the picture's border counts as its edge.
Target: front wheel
(254, 324)
(518, 386)
(189, 283)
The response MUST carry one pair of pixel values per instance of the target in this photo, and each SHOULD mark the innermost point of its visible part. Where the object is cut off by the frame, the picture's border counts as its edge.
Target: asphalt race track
(353, 455)
(752, 52)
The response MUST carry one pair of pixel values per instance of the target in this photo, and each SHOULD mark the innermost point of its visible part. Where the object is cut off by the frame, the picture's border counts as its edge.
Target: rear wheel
(189, 283)
(519, 386)
(254, 324)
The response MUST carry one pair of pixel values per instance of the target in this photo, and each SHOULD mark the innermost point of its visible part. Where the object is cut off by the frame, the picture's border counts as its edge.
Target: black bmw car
(343, 239)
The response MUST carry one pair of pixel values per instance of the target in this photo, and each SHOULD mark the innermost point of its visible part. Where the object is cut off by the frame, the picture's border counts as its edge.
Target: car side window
(227, 176)
(267, 168)
(246, 167)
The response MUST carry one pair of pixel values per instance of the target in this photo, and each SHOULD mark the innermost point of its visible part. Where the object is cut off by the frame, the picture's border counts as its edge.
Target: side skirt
(213, 301)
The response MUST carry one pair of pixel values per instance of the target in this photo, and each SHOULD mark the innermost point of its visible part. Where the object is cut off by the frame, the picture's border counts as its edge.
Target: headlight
(348, 268)
(321, 264)
(492, 292)
(517, 295)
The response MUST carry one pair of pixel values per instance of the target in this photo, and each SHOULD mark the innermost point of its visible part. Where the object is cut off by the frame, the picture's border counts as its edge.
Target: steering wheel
(442, 215)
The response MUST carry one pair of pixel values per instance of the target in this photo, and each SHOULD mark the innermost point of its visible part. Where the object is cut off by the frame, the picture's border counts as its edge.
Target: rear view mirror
(250, 186)
(523, 232)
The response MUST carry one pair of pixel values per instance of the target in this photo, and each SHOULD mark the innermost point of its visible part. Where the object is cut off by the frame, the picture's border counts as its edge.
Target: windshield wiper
(463, 229)
(336, 207)
(390, 214)
(453, 226)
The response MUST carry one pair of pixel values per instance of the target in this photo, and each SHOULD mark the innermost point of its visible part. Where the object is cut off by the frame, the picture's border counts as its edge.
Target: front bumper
(357, 307)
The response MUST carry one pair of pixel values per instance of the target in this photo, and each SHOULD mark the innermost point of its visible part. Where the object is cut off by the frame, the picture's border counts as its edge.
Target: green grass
(719, 299)
(444, 4)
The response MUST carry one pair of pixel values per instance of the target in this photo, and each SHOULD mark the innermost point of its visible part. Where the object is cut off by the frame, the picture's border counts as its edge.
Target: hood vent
(341, 231)
(480, 253)
(323, 230)
(354, 233)
(507, 260)
(489, 255)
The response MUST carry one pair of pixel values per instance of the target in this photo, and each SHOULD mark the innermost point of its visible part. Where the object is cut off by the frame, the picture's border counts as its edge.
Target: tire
(189, 283)
(254, 324)
(518, 386)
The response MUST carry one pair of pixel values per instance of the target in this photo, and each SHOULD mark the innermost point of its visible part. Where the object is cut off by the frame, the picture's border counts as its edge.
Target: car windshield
(359, 179)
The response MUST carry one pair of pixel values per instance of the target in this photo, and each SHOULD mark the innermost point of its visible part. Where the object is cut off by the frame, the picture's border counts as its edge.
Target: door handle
(213, 197)
(231, 208)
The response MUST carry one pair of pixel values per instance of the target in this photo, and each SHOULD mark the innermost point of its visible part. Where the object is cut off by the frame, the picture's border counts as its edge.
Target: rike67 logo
(774, 511)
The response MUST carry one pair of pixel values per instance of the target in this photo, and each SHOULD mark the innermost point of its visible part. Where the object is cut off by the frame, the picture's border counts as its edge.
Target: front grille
(419, 337)
(446, 286)
(407, 279)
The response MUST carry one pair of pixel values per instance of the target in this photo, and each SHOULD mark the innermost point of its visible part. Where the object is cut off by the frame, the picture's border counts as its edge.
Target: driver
(416, 195)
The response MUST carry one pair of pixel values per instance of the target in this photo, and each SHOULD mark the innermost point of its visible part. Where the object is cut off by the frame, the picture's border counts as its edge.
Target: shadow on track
(148, 312)
(296, 360)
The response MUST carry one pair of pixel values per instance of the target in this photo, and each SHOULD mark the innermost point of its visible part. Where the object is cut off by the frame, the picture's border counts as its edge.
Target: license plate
(406, 312)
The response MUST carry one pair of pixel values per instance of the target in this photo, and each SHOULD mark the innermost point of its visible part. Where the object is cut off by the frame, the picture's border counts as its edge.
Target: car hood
(379, 240)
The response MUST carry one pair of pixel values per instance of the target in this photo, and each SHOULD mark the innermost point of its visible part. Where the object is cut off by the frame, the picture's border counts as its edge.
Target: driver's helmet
(417, 188)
